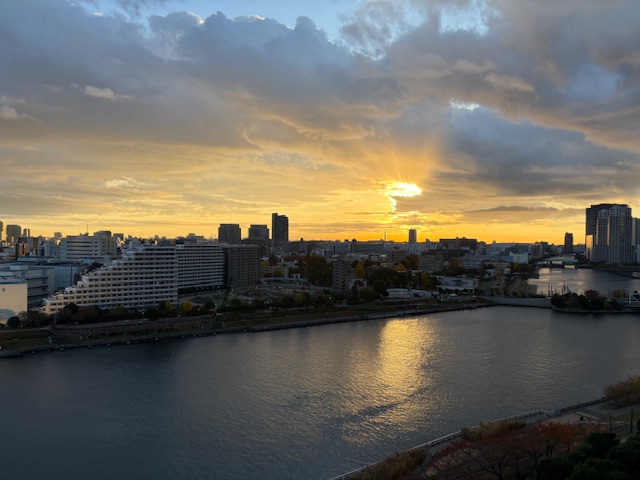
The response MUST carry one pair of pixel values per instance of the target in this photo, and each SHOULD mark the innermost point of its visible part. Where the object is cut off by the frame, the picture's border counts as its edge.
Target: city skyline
(357, 119)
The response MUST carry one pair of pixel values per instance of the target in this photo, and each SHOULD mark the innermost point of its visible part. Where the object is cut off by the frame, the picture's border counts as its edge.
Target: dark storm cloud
(528, 160)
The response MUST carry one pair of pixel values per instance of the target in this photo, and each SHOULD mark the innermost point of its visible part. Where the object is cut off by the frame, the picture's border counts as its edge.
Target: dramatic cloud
(523, 113)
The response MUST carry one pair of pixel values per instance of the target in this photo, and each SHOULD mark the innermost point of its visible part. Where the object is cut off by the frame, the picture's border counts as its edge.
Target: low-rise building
(457, 283)
(40, 280)
(13, 297)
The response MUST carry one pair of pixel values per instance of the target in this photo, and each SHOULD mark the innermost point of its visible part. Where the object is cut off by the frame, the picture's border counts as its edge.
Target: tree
(13, 322)
(369, 294)
(235, 304)
(186, 307)
(412, 261)
(360, 271)
(598, 444)
(628, 454)
(452, 463)
(427, 282)
(623, 391)
(72, 307)
(85, 314)
(302, 298)
(493, 455)
(554, 469)
(380, 288)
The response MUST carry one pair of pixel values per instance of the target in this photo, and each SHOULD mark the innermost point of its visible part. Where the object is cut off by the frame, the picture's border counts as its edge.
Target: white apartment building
(199, 266)
(145, 276)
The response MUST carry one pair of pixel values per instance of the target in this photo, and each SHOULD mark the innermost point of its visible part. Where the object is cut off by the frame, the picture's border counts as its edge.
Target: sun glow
(402, 189)
(393, 190)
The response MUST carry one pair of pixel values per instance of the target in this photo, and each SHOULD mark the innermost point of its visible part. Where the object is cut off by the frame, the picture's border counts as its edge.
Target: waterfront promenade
(595, 412)
(126, 332)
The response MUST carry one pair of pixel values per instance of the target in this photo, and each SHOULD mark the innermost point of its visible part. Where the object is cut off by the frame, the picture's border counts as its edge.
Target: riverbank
(15, 343)
(415, 461)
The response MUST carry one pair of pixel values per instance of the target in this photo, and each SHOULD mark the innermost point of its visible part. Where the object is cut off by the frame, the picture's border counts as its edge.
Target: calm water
(307, 403)
(580, 279)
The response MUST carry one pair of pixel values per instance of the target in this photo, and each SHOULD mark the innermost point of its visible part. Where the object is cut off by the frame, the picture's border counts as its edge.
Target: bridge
(557, 262)
(632, 301)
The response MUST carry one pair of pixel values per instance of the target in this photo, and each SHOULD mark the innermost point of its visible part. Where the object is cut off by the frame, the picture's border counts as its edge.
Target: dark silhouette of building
(463, 243)
(413, 235)
(258, 232)
(229, 233)
(13, 233)
(279, 230)
(242, 263)
(568, 242)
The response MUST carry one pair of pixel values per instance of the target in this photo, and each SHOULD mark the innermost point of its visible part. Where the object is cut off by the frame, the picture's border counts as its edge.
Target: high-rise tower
(279, 230)
(610, 239)
(13, 233)
(568, 242)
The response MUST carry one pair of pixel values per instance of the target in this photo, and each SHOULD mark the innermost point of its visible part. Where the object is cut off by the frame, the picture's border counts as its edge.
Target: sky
(491, 119)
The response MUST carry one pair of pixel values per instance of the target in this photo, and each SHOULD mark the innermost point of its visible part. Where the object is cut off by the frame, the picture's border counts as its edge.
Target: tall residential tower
(609, 233)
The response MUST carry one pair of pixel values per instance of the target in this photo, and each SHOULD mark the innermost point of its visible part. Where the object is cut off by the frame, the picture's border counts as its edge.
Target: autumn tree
(186, 307)
(452, 463)
(625, 391)
(427, 282)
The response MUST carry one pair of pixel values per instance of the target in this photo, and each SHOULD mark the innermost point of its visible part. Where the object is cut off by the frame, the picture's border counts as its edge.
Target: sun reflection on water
(398, 379)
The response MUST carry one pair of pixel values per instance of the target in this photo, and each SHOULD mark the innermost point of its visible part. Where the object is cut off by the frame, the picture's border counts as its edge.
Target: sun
(402, 189)
(394, 189)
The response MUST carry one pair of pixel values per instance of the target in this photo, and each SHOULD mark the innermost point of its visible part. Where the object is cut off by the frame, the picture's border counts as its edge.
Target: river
(308, 403)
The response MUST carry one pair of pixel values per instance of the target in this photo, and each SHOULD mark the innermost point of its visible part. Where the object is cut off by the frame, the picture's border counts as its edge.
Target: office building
(13, 233)
(26, 246)
(101, 247)
(279, 230)
(229, 233)
(1, 231)
(568, 242)
(258, 232)
(413, 235)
